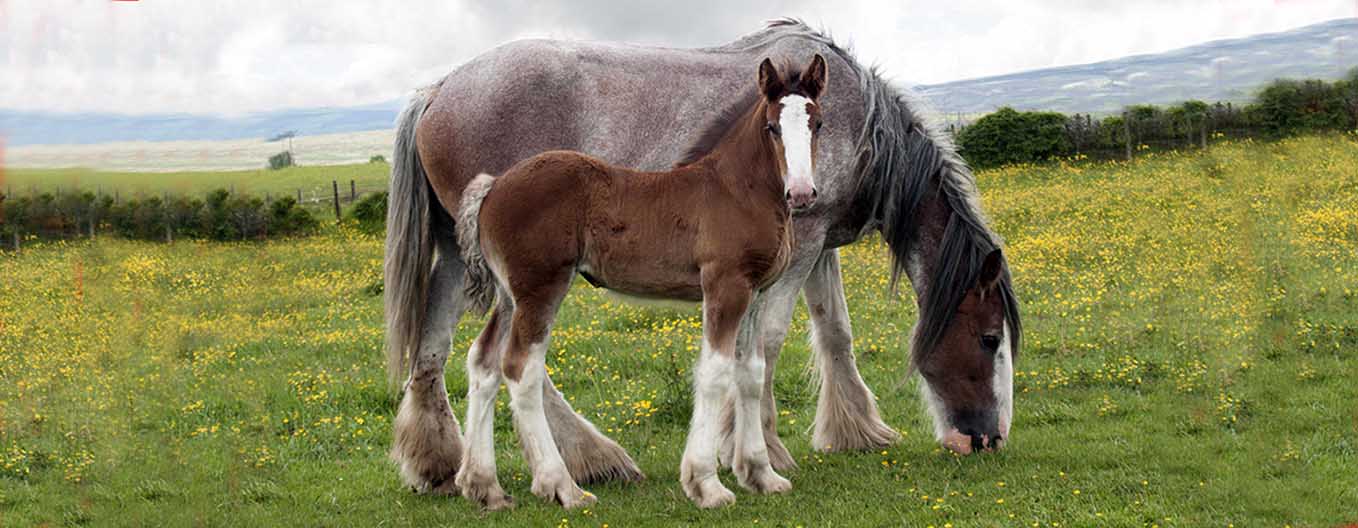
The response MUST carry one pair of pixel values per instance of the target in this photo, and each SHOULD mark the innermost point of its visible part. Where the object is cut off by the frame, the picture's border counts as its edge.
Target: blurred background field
(1191, 346)
(313, 181)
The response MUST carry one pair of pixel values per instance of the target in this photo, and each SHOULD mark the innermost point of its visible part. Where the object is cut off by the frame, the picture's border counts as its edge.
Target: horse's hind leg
(525, 370)
(427, 443)
(590, 456)
(477, 478)
(846, 415)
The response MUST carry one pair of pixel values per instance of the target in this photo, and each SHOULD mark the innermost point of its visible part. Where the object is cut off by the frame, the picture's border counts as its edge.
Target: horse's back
(631, 106)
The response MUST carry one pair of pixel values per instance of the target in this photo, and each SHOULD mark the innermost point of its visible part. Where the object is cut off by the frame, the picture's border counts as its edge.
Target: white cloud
(253, 55)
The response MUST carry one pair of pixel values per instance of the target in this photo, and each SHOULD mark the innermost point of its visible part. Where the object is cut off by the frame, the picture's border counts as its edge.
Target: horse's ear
(991, 271)
(770, 82)
(813, 80)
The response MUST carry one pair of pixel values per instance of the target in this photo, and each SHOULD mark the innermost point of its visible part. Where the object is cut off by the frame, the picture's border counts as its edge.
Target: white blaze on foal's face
(795, 123)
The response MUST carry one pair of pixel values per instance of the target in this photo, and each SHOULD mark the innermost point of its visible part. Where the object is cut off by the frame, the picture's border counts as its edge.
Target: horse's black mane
(903, 158)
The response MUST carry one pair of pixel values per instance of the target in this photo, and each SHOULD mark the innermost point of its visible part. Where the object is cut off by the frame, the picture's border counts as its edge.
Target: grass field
(1191, 359)
(314, 181)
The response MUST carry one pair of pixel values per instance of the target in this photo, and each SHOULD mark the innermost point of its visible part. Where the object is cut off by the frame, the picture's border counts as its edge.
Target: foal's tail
(410, 242)
(480, 286)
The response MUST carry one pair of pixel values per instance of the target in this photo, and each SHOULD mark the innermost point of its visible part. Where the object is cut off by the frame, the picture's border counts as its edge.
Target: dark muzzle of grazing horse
(976, 431)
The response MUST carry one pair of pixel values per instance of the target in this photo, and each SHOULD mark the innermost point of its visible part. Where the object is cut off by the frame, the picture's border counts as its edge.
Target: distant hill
(1222, 70)
(41, 128)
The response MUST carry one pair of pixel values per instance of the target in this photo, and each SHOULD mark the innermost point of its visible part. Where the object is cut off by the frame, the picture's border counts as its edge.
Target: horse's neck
(931, 220)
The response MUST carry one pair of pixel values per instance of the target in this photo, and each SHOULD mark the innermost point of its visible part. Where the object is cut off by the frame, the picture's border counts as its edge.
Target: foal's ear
(814, 78)
(991, 271)
(770, 82)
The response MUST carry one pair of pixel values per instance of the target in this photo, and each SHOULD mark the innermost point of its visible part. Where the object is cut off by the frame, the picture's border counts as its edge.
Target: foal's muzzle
(801, 197)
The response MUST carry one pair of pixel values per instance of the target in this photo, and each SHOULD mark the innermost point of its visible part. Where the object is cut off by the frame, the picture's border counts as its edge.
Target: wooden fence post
(334, 185)
(353, 192)
(299, 195)
(16, 241)
(1127, 132)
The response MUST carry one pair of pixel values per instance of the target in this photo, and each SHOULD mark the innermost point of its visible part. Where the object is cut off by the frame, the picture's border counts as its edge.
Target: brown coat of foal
(716, 229)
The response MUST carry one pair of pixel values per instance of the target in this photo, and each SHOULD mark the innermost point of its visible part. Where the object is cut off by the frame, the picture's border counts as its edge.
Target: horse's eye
(774, 129)
(819, 124)
(991, 343)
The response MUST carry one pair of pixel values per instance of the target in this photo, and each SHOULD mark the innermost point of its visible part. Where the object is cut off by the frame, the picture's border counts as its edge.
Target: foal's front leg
(724, 304)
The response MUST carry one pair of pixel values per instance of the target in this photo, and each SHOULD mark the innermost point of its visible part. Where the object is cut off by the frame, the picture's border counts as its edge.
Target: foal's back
(641, 233)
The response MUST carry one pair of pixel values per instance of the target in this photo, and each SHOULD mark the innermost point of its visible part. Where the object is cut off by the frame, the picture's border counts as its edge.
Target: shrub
(1287, 107)
(377, 159)
(280, 160)
(1010, 136)
(371, 212)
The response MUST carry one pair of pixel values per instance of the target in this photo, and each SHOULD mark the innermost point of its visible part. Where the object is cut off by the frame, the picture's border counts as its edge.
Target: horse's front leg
(846, 414)
(750, 461)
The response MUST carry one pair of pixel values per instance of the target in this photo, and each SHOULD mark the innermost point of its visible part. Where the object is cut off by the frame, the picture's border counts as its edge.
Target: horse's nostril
(787, 195)
(814, 193)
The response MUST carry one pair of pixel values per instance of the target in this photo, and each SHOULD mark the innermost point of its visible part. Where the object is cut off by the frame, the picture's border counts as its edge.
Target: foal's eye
(773, 129)
(991, 343)
(819, 124)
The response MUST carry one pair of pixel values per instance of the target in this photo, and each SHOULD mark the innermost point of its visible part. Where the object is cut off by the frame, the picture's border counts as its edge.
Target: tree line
(1282, 108)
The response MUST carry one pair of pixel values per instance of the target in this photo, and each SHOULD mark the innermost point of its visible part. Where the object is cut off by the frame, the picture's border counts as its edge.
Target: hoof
(563, 491)
(764, 480)
(484, 490)
(707, 492)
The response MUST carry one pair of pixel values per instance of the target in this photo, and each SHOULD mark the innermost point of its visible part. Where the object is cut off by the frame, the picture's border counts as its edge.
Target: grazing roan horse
(716, 229)
(881, 167)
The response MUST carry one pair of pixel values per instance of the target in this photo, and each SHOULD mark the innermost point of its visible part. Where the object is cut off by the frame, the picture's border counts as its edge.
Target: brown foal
(716, 229)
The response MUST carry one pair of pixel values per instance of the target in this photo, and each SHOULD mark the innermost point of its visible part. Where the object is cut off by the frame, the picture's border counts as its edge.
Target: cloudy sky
(238, 56)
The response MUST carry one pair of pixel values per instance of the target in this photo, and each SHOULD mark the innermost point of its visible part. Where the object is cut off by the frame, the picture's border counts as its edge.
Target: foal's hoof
(709, 493)
(766, 480)
(563, 491)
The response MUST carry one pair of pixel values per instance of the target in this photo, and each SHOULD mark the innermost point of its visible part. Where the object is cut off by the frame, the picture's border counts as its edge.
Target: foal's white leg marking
(698, 470)
(477, 478)
(1003, 385)
(795, 123)
(551, 480)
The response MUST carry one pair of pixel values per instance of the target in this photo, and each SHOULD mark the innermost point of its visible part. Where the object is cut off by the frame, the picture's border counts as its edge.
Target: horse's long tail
(480, 286)
(410, 242)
